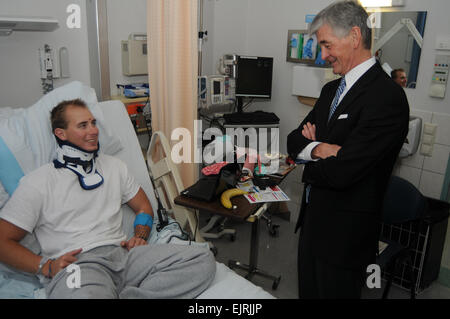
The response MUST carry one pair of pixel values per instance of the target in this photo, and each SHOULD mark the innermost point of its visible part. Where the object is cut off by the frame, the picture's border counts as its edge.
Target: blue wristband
(143, 219)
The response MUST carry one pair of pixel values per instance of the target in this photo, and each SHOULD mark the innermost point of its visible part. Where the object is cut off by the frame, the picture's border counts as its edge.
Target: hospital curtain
(172, 35)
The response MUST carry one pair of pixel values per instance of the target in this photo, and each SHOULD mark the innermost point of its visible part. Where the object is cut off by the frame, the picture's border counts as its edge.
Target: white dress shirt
(350, 78)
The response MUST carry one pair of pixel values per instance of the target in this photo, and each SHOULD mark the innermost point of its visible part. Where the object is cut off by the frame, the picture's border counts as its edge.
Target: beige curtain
(172, 35)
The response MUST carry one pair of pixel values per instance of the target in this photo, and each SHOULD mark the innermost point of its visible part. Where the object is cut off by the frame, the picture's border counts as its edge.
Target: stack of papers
(270, 194)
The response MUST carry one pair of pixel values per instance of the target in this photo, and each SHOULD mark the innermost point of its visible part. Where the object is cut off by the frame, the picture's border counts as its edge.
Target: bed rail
(168, 182)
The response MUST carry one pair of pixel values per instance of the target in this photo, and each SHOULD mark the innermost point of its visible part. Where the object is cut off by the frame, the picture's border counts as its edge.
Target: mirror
(397, 41)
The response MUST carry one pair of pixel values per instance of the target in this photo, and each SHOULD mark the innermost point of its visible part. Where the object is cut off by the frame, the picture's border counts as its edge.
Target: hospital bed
(27, 132)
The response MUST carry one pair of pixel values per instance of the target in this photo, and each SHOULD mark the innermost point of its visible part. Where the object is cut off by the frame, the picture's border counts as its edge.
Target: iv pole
(201, 35)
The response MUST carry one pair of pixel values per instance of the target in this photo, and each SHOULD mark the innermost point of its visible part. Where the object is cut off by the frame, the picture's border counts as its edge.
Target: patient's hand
(63, 261)
(133, 242)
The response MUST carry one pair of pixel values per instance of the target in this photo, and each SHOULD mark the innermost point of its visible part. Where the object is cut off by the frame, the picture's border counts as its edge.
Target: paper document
(270, 194)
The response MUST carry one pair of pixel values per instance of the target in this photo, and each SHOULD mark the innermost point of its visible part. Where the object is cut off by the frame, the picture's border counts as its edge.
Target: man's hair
(57, 116)
(342, 16)
(394, 73)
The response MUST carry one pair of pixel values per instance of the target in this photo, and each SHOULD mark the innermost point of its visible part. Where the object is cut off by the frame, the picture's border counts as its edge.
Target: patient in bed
(73, 207)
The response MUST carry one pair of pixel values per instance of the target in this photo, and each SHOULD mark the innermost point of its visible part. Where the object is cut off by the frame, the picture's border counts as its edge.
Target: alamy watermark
(74, 19)
(74, 279)
(262, 143)
(374, 278)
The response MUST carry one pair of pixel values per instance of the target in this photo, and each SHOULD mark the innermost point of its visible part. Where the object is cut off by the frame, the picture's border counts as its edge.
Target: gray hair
(342, 16)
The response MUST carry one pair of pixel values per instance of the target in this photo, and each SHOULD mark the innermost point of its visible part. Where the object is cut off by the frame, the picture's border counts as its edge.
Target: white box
(443, 42)
(134, 56)
(308, 80)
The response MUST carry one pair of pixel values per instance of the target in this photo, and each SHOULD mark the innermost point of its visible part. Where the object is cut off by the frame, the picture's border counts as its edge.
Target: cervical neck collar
(79, 161)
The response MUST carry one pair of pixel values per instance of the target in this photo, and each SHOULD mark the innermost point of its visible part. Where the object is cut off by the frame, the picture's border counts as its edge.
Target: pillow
(10, 170)
(15, 143)
(12, 132)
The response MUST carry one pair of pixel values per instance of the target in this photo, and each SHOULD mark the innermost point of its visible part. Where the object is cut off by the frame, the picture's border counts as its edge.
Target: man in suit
(349, 142)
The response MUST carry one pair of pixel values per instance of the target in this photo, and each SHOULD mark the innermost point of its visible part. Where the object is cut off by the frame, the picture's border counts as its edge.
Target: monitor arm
(396, 28)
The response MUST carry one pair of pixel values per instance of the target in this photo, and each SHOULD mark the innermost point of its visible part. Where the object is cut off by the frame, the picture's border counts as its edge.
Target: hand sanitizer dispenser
(411, 144)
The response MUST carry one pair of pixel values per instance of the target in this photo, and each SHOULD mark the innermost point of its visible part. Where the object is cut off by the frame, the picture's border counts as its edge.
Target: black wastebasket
(427, 254)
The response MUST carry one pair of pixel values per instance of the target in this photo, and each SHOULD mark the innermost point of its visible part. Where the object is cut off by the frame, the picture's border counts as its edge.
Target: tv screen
(254, 76)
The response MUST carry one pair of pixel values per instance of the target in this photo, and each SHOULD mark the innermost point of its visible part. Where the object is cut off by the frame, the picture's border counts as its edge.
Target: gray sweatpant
(151, 271)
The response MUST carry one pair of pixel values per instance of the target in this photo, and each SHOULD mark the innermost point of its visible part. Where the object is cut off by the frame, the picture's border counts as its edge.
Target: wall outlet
(430, 129)
(428, 139)
(48, 62)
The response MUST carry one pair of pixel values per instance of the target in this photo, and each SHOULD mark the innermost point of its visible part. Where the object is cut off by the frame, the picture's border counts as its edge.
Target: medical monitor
(254, 76)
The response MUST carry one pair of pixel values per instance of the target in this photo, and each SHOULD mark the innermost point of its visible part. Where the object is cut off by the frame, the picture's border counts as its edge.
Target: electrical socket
(430, 129)
(48, 60)
(428, 139)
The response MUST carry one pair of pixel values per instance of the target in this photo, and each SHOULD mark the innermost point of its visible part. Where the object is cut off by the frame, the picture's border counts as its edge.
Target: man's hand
(133, 242)
(325, 150)
(309, 131)
(62, 262)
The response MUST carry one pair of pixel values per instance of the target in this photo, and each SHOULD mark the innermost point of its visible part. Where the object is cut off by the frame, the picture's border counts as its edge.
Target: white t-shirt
(64, 216)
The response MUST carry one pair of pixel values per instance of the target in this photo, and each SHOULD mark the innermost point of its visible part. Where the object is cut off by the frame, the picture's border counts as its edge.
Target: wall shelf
(8, 24)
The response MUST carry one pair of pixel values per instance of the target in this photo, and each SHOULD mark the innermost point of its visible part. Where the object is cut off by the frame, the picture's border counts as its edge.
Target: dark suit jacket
(341, 220)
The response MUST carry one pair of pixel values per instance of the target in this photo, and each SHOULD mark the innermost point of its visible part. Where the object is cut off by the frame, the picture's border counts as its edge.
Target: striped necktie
(339, 91)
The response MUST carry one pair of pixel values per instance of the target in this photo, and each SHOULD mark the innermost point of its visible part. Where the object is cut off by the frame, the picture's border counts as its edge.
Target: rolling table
(244, 212)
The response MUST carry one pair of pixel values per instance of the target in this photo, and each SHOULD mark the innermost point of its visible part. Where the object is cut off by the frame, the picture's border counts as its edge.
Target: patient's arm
(12, 252)
(139, 203)
(20, 257)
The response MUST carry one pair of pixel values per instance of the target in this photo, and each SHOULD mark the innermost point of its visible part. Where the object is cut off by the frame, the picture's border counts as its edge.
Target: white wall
(20, 83)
